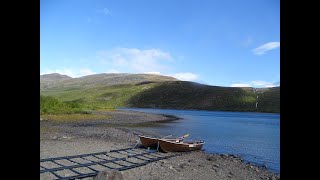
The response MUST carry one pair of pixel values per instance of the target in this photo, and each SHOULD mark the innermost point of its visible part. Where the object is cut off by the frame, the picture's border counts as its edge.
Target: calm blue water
(253, 136)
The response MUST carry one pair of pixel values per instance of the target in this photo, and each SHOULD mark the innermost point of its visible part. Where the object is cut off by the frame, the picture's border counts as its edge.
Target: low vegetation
(139, 91)
(189, 95)
(74, 117)
(51, 105)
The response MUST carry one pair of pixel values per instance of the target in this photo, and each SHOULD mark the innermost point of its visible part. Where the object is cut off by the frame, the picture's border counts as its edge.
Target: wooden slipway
(89, 165)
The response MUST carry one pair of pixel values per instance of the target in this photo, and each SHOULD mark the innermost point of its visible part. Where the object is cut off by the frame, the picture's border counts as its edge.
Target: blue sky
(216, 42)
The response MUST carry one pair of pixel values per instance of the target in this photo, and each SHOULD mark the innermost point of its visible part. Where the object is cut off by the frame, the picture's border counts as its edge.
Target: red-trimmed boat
(152, 142)
(181, 146)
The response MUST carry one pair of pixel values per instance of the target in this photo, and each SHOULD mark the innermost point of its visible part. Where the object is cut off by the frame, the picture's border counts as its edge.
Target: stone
(109, 175)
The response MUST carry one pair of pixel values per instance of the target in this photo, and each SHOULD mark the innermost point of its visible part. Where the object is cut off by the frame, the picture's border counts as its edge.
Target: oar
(185, 136)
(166, 136)
(136, 133)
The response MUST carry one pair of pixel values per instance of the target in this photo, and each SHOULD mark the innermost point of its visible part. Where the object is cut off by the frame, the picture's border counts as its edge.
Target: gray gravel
(63, 139)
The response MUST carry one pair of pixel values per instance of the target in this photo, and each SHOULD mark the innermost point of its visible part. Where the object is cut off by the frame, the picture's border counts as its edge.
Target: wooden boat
(182, 146)
(152, 142)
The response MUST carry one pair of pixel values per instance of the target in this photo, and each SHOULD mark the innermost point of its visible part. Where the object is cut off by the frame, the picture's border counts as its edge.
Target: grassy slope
(188, 95)
(98, 97)
(91, 81)
(269, 100)
(176, 94)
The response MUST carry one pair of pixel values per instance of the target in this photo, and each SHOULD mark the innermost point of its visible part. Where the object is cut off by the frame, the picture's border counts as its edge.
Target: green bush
(51, 105)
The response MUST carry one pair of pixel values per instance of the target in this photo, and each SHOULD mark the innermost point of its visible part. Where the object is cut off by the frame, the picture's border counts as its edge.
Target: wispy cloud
(134, 59)
(265, 48)
(70, 72)
(131, 60)
(153, 72)
(259, 84)
(104, 11)
(147, 61)
(240, 85)
(247, 42)
(186, 76)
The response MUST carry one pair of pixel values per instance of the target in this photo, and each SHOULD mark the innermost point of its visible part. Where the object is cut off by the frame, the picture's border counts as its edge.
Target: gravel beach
(89, 136)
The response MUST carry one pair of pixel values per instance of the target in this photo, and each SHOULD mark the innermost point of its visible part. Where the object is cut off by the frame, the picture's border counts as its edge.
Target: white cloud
(131, 60)
(134, 59)
(247, 42)
(262, 84)
(84, 72)
(157, 73)
(70, 72)
(104, 11)
(240, 85)
(265, 48)
(259, 84)
(185, 76)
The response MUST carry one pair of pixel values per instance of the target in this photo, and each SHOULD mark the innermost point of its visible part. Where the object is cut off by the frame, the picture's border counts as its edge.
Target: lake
(255, 137)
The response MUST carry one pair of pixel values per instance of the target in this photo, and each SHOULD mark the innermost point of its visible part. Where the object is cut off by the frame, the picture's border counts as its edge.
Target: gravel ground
(63, 139)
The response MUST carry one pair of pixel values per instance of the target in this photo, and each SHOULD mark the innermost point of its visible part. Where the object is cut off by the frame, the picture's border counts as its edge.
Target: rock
(109, 175)
(233, 156)
(215, 165)
(272, 178)
(182, 166)
(212, 158)
(172, 168)
(54, 137)
(224, 155)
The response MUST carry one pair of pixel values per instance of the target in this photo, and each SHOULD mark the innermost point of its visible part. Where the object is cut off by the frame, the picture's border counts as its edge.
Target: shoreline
(130, 109)
(72, 138)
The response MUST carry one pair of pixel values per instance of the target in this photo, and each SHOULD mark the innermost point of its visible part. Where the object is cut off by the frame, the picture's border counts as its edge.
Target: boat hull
(151, 142)
(168, 146)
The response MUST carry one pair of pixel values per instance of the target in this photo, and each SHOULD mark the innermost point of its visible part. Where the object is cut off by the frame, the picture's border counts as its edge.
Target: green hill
(189, 95)
(107, 91)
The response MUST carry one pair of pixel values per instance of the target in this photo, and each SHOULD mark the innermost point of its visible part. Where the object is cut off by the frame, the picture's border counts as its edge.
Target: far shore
(62, 138)
(259, 112)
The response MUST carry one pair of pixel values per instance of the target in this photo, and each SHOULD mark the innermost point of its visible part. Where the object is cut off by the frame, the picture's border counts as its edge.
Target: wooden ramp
(88, 165)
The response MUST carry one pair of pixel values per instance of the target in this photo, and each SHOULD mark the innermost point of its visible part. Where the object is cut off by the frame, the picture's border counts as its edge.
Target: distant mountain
(104, 91)
(53, 77)
(48, 80)
(56, 80)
